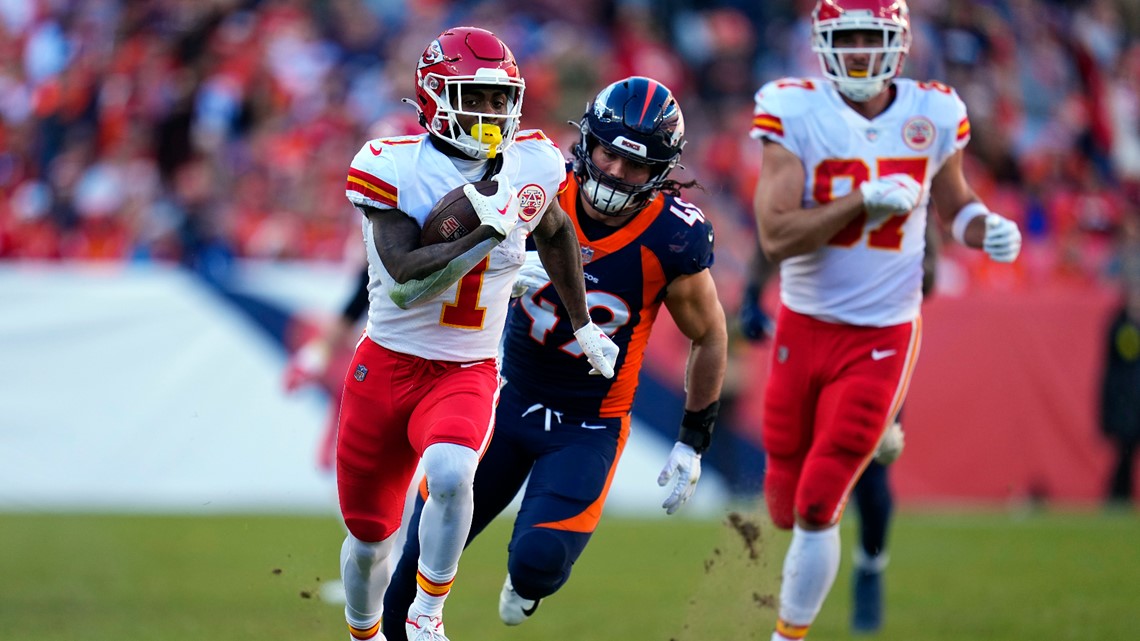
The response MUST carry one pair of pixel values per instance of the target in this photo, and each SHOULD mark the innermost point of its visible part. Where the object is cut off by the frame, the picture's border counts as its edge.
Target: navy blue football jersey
(627, 272)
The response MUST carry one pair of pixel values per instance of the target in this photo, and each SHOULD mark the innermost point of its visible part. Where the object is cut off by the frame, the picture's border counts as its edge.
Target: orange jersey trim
(964, 129)
(587, 520)
(534, 135)
(620, 238)
(769, 123)
(908, 369)
(896, 405)
(619, 398)
(372, 187)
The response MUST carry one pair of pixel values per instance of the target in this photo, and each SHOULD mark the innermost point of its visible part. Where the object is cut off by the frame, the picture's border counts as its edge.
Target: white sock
(444, 522)
(365, 574)
(809, 572)
(876, 563)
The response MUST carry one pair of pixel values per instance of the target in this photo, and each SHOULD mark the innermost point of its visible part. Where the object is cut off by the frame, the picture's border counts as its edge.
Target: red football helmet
(395, 124)
(460, 57)
(890, 17)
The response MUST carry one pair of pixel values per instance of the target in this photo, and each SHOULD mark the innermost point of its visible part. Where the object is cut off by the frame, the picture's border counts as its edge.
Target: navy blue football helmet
(637, 118)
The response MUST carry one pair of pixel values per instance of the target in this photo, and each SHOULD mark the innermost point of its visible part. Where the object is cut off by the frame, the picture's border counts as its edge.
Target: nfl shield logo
(587, 255)
(360, 373)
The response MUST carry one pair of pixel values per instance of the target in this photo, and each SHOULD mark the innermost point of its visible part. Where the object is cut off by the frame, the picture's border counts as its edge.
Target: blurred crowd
(198, 131)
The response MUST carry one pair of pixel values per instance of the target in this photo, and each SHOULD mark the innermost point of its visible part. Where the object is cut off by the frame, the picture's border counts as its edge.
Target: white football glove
(1003, 239)
(599, 349)
(500, 211)
(890, 195)
(891, 445)
(307, 365)
(686, 463)
(532, 275)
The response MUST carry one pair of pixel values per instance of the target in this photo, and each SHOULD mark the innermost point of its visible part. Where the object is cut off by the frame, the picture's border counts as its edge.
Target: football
(453, 217)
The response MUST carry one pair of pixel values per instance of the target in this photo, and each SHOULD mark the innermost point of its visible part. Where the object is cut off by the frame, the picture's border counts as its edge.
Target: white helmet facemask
(492, 133)
(885, 61)
(606, 199)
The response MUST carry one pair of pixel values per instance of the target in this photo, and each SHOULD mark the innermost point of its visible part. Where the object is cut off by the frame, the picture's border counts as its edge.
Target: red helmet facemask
(459, 60)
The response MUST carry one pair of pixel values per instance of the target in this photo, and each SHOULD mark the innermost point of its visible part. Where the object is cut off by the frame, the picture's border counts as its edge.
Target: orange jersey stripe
(378, 183)
(534, 135)
(587, 520)
(769, 123)
(964, 128)
(619, 398)
(368, 185)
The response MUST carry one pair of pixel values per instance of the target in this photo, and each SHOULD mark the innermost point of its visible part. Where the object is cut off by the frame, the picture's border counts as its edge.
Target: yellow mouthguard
(489, 135)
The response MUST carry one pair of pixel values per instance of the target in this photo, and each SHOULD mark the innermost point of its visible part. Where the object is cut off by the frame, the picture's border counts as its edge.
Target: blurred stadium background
(172, 225)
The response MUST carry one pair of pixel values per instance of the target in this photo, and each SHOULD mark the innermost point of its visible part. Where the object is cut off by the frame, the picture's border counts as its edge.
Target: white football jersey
(408, 173)
(870, 273)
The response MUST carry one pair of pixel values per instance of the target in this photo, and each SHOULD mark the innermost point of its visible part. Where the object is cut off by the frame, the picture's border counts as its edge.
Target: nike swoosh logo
(878, 355)
(529, 611)
(593, 427)
(503, 211)
(375, 151)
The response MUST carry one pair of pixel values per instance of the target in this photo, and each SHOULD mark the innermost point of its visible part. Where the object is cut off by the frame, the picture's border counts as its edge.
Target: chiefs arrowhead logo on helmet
(432, 55)
(461, 59)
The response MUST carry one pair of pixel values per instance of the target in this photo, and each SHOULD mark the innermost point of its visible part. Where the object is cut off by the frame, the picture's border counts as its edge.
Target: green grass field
(961, 576)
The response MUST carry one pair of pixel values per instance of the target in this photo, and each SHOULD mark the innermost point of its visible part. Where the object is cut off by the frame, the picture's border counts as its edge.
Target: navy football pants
(570, 460)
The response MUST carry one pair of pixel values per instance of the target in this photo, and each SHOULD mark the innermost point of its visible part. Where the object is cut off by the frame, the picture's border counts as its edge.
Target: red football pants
(832, 390)
(393, 407)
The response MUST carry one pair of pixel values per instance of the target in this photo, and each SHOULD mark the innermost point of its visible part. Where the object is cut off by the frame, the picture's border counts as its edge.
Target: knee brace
(539, 562)
(449, 470)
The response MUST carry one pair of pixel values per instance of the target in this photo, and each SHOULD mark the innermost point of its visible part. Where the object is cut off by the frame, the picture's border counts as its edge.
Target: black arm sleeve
(358, 304)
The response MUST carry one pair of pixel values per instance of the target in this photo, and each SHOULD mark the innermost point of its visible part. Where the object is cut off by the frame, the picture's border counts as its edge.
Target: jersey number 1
(889, 234)
(465, 312)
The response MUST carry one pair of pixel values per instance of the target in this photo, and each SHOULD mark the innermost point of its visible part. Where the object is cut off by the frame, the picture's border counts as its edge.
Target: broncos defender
(423, 380)
(850, 162)
(642, 245)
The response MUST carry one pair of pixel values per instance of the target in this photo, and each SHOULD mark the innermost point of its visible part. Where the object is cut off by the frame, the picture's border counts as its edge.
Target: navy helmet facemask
(636, 118)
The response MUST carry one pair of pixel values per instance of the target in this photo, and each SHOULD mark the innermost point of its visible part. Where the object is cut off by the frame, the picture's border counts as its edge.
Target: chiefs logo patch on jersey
(918, 133)
(532, 198)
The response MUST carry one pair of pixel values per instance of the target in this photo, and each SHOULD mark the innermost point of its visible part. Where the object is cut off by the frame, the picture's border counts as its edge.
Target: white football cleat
(513, 609)
(424, 628)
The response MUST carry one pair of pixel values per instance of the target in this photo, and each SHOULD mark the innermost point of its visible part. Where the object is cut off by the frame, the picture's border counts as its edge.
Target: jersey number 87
(888, 235)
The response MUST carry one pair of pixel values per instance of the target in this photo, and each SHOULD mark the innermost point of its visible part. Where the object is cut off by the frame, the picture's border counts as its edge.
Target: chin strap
(697, 427)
